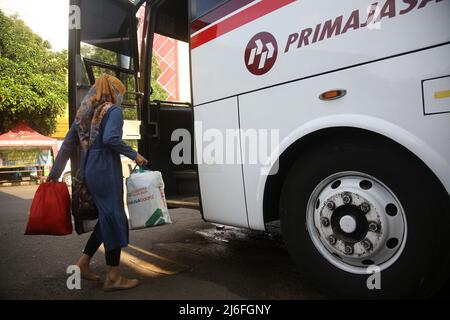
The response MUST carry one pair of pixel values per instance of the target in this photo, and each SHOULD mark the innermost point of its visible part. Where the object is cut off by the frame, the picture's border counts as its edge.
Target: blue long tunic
(103, 175)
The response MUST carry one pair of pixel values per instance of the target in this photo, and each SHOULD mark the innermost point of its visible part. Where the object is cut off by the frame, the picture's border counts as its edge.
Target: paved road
(189, 259)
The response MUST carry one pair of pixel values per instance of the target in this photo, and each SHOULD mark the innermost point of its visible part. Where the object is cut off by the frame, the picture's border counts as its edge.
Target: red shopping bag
(50, 210)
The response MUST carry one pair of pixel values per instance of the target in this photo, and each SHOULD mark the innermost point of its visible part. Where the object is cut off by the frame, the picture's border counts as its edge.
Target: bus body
(318, 75)
(373, 64)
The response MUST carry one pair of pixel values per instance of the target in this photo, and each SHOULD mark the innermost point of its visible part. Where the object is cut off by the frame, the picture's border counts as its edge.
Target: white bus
(356, 95)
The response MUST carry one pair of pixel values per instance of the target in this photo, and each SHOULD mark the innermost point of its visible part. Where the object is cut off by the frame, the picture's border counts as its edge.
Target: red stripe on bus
(238, 20)
(218, 13)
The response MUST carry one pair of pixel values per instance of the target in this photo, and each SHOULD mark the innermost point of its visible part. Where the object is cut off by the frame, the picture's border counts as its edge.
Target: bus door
(167, 113)
(131, 40)
(103, 39)
(164, 117)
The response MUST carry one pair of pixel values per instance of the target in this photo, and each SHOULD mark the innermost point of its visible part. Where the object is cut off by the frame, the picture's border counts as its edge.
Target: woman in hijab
(98, 128)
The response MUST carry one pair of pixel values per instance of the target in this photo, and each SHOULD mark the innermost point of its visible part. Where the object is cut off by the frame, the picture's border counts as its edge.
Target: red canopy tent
(22, 136)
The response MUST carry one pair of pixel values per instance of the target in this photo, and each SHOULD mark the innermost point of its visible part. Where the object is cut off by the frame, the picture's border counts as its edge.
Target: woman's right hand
(140, 160)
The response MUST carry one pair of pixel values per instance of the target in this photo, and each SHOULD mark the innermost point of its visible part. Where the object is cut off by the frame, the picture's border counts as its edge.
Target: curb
(18, 183)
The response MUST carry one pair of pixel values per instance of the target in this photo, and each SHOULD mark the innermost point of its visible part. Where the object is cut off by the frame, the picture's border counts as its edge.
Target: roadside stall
(25, 154)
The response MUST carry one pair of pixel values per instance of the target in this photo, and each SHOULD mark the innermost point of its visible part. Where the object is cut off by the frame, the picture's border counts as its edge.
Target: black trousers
(112, 257)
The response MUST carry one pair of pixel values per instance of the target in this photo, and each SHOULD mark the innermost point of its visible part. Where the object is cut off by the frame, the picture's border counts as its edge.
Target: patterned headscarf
(106, 92)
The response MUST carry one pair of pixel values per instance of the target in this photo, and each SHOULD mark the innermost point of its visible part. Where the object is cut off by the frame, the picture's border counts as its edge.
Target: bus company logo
(261, 53)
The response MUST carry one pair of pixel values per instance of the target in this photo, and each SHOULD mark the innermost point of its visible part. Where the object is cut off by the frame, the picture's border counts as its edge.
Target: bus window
(170, 74)
(201, 7)
(98, 60)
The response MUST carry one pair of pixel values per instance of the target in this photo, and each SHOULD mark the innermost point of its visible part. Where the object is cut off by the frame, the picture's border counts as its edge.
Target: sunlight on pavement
(154, 255)
(158, 266)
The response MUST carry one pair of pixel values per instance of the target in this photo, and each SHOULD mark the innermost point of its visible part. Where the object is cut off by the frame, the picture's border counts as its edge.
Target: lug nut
(364, 207)
(373, 226)
(332, 240)
(348, 250)
(331, 205)
(346, 198)
(367, 244)
(325, 222)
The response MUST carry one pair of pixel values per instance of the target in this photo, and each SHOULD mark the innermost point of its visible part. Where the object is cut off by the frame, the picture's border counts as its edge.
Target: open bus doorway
(132, 41)
(165, 39)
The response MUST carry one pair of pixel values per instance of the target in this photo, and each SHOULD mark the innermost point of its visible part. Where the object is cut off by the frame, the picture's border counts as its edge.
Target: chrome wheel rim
(356, 221)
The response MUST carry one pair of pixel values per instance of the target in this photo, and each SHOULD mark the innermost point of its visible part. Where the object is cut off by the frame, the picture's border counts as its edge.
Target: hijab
(106, 92)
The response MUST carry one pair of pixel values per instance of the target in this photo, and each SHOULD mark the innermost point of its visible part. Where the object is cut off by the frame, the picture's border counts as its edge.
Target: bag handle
(141, 168)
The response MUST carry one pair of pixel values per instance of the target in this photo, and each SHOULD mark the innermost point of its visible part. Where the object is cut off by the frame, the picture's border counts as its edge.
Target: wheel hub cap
(347, 224)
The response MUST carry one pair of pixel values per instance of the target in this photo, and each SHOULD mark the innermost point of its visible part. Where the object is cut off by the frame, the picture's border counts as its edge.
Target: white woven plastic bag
(146, 201)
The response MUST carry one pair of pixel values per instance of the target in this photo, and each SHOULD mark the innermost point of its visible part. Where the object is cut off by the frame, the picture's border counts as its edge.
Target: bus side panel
(384, 97)
(221, 185)
(219, 68)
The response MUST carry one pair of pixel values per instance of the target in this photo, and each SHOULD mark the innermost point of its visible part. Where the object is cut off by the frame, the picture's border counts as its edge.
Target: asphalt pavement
(189, 259)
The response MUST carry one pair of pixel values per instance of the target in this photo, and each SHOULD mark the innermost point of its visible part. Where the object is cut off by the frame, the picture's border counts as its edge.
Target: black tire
(423, 266)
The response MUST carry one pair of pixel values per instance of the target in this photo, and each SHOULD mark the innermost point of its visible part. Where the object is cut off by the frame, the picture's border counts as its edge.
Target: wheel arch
(273, 183)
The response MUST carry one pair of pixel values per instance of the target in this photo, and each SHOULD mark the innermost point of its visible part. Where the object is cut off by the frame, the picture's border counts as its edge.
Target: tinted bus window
(201, 7)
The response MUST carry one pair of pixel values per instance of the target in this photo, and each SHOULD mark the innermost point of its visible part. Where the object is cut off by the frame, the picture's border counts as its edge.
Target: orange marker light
(332, 94)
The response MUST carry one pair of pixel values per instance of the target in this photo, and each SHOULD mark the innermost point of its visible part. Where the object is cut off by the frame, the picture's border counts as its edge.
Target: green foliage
(158, 92)
(32, 78)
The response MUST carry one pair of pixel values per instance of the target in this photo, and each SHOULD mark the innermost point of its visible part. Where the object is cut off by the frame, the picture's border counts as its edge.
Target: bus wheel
(67, 178)
(365, 220)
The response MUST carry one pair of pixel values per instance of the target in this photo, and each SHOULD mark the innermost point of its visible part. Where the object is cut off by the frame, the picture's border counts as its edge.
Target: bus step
(180, 201)
(187, 182)
(185, 174)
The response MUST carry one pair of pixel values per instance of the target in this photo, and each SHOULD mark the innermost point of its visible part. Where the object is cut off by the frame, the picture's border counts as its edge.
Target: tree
(159, 93)
(32, 78)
